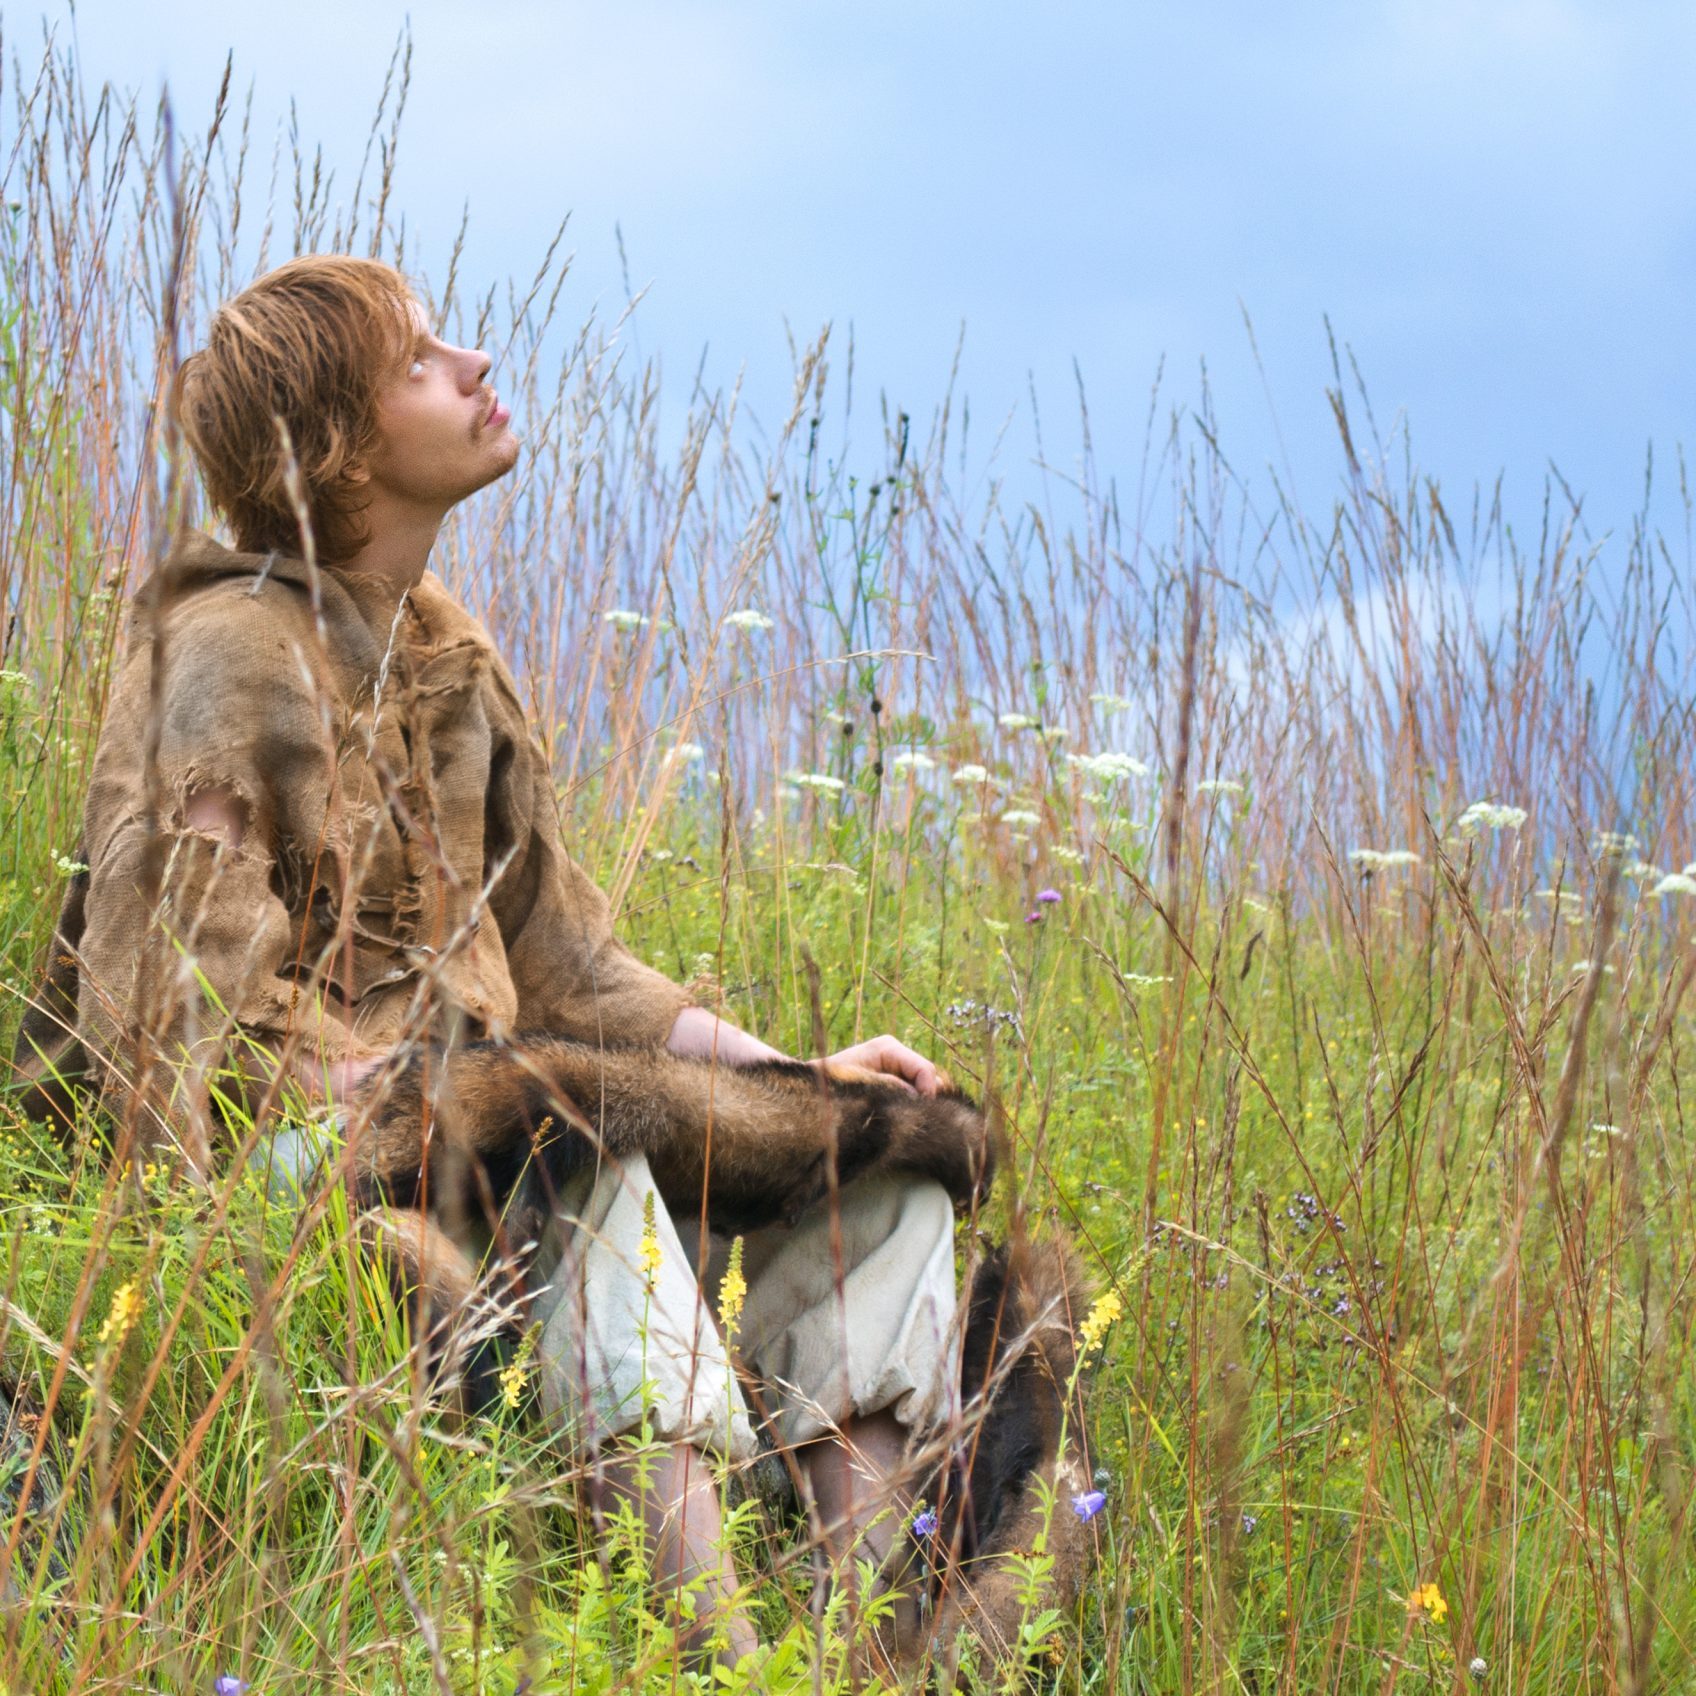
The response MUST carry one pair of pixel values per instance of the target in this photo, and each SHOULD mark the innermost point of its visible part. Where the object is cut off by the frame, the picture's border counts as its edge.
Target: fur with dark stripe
(502, 1126)
(1023, 1423)
(483, 1138)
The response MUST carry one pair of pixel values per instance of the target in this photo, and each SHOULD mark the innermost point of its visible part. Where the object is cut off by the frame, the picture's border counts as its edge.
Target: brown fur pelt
(493, 1131)
(1024, 1427)
(483, 1138)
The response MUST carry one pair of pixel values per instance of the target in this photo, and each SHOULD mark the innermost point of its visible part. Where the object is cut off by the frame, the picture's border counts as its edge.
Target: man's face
(441, 430)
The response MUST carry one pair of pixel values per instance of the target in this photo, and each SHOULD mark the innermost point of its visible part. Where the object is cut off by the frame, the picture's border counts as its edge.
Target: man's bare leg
(863, 1502)
(675, 1496)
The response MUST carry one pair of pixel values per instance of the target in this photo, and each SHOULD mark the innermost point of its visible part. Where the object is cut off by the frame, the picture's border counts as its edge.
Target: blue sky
(1493, 201)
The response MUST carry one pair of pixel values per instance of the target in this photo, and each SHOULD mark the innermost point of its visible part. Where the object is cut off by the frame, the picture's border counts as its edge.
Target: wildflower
(999, 926)
(125, 1310)
(516, 1373)
(1072, 856)
(622, 618)
(1033, 918)
(1145, 980)
(1018, 721)
(1478, 1666)
(1429, 1598)
(1089, 1504)
(1382, 859)
(1112, 703)
(1249, 1524)
(924, 1523)
(1047, 897)
(732, 1289)
(1054, 733)
(1615, 842)
(648, 1255)
(1108, 1308)
(819, 780)
(1585, 965)
(910, 759)
(1486, 815)
(67, 865)
(1640, 870)
(1019, 816)
(749, 618)
(685, 754)
(1675, 883)
(1219, 786)
(971, 774)
(1109, 766)
(227, 1684)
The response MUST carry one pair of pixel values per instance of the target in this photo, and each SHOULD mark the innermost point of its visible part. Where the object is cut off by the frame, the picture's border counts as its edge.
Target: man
(319, 832)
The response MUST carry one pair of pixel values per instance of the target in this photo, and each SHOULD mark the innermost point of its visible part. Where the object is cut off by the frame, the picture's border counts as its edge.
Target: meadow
(1305, 883)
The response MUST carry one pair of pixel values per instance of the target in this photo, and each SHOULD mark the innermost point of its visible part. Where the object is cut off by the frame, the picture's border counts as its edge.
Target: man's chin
(500, 462)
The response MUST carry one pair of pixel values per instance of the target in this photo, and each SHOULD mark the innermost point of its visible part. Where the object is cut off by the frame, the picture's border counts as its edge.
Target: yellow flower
(515, 1375)
(125, 1310)
(1430, 1598)
(732, 1289)
(1108, 1307)
(512, 1383)
(648, 1255)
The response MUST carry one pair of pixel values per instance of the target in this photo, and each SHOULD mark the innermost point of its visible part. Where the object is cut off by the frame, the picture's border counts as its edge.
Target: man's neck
(398, 552)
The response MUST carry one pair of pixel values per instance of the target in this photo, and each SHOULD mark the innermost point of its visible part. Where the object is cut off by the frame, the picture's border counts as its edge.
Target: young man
(319, 832)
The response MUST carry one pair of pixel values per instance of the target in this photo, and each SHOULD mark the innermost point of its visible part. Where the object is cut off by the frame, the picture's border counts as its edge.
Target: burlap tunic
(400, 876)
(400, 872)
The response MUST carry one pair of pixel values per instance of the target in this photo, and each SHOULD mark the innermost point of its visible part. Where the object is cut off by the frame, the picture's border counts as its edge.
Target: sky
(1491, 202)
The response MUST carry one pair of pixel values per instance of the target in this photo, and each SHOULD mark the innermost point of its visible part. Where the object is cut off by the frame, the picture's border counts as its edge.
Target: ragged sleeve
(189, 959)
(572, 974)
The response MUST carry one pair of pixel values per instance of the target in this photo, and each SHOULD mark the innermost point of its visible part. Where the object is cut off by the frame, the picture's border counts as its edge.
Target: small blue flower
(227, 1684)
(924, 1524)
(1089, 1504)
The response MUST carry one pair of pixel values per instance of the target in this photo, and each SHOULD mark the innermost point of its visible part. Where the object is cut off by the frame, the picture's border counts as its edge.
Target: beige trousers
(851, 1311)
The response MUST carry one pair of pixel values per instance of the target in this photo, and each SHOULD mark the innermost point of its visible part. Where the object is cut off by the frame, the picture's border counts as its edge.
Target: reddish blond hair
(310, 344)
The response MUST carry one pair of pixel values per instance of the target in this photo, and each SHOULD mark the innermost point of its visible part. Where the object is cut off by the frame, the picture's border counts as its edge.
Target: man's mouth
(497, 413)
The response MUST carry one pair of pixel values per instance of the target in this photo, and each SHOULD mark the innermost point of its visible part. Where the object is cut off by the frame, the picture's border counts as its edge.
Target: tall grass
(1388, 1161)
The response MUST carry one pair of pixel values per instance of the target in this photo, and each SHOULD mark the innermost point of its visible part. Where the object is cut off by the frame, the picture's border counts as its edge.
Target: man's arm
(701, 1034)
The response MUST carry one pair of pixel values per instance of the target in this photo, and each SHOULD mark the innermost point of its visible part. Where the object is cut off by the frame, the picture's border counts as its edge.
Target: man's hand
(885, 1054)
(704, 1035)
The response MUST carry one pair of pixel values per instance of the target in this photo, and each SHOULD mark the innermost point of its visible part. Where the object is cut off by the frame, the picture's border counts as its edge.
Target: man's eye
(415, 368)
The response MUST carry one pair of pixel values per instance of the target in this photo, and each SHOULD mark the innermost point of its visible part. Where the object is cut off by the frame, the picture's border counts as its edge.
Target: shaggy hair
(304, 351)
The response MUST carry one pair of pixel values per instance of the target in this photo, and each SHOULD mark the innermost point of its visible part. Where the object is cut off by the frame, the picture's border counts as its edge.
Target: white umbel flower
(1487, 815)
(1383, 859)
(1107, 767)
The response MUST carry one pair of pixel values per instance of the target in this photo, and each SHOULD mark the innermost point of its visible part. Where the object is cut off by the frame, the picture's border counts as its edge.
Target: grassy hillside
(1366, 1102)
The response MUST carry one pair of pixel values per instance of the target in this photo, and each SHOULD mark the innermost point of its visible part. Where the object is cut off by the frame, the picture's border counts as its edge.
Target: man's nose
(477, 365)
